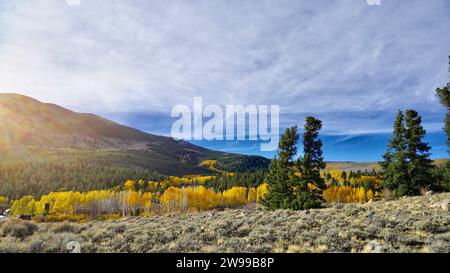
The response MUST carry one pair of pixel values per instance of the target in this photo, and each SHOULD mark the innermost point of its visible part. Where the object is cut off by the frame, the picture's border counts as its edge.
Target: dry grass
(414, 224)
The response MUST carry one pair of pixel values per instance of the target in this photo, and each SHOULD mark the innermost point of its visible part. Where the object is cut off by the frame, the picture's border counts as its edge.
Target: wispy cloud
(348, 62)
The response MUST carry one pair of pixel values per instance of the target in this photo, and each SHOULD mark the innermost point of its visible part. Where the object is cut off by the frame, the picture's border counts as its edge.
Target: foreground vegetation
(411, 224)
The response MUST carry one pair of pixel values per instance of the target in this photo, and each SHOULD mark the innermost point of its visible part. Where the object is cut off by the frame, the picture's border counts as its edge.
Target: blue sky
(348, 63)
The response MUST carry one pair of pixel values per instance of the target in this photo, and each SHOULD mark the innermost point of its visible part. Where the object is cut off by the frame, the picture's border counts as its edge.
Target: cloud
(348, 62)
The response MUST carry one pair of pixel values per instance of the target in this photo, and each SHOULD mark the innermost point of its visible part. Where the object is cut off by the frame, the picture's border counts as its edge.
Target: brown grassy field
(367, 166)
(413, 224)
(353, 166)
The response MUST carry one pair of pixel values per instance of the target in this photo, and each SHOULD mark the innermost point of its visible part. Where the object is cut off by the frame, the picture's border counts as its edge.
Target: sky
(348, 63)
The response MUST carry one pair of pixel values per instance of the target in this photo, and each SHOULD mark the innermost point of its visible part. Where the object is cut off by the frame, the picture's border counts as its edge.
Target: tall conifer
(281, 173)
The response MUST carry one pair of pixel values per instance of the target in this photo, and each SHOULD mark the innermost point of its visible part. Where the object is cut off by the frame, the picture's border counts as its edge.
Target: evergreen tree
(418, 153)
(310, 166)
(287, 190)
(444, 97)
(442, 174)
(281, 173)
(394, 166)
(312, 162)
(406, 167)
(344, 176)
(351, 175)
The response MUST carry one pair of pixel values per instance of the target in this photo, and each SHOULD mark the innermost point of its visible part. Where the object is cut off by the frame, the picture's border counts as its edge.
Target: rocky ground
(413, 224)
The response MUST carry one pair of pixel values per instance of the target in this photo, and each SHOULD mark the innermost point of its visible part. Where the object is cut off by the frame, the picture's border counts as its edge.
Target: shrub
(18, 229)
(306, 200)
(442, 176)
(64, 227)
(79, 218)
(387, 194)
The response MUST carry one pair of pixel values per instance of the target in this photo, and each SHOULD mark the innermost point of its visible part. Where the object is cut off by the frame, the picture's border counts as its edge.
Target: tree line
(20, 178)
(406, 169)
(131, 200)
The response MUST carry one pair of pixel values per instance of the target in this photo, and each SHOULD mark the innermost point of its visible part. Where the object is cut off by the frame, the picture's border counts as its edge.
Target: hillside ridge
(63, 149)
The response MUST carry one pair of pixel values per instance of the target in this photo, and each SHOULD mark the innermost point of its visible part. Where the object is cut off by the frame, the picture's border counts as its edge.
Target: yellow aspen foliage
(361, 194)
(369, 195)
(334, 167)
(376, 181)
(130, 185)
(346, 194)
(212, 165)
(4, 201)
(235, 196)
(152, 186)
(175, 181)
(201, 198)
(24, 206)
(261, 192)
(147, 200)
(313, 187)
(197, 198)
(336, 174)
(69, 203)
(65, 202)
(173, 199)
(363, 180)
(378, 195)
(112, 203)
(134, 200)
(100, 202)
(251, 196)
(202, 179)
(164, 185)
(141, 184)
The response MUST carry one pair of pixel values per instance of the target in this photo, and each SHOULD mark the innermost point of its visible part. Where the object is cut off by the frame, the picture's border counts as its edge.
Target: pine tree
(417, 153)
(310, 166)
(406, 167)
(287, 190)
(442, 174)
(281, 172)
(444, 97)
(344, 177)
(394, 166)
(312, 162)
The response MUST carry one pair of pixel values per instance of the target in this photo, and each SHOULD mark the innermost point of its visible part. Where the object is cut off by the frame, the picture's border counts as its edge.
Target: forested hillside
(44, 148)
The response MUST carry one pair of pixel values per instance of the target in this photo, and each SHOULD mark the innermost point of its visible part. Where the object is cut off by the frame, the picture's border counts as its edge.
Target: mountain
(45, 144)
(25, 121)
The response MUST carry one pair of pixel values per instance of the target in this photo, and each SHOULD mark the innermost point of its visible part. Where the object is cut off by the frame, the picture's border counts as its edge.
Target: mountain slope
(26, 121)
(44, 147)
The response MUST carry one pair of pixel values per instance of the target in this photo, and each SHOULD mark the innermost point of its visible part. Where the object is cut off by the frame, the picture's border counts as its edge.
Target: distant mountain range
(40, 136)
